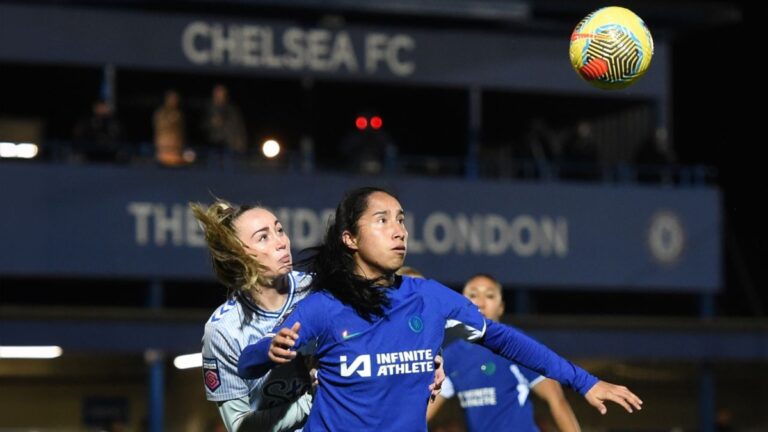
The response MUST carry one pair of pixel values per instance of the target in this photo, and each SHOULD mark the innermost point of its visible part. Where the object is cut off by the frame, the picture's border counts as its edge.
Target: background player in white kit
(251, 256)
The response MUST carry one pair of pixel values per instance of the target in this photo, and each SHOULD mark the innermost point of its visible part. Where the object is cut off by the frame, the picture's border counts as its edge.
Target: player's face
(264, 238)
(382, 239)
(484, 293)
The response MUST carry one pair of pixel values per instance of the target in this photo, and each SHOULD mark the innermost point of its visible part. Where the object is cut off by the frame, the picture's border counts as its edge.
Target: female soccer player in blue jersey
(375, 334)
(493, 391)
(251, 256)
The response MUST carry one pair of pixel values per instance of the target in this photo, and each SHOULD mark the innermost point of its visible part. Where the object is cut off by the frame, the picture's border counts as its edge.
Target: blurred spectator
(168, 122)
(581, 153)
(544, 145)
(656, 157)
(657, 150)
(368, 150)
(724, 420)
(224, 127)
(582, 146)
(99, 136)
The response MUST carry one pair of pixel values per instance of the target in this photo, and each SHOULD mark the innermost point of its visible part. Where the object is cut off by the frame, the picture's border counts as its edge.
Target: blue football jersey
(493, 391)
(375, 376)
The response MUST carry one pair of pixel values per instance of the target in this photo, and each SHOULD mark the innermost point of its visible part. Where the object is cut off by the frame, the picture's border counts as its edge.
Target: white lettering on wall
(159, 224)
(317, 50)
(439, 233)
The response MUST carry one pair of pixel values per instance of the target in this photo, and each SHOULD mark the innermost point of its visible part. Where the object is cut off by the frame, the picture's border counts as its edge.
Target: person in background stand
(168, 122)
(224, 128)
(492, 390)
(98, 137)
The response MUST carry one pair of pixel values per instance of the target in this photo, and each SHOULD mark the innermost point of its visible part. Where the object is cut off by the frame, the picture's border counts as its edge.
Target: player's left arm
(551, 392)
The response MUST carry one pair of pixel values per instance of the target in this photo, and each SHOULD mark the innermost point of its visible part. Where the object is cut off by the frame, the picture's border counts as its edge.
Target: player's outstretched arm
(604, 391)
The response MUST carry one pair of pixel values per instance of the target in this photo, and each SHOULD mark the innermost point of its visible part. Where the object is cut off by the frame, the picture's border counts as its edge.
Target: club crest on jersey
(211, 374)
(416, 324)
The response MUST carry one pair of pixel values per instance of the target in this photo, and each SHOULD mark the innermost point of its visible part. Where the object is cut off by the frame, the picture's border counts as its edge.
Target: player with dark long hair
(375, 334)
(251, 256)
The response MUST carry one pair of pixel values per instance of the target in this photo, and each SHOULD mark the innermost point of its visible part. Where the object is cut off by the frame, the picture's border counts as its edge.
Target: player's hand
(605, 391)
(280, 349)
(437, 384)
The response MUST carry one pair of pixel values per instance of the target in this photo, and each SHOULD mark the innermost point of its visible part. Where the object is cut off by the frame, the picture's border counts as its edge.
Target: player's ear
(349, 240)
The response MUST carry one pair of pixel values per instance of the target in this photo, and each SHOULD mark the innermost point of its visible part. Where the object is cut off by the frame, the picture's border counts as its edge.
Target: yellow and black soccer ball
(611, 48)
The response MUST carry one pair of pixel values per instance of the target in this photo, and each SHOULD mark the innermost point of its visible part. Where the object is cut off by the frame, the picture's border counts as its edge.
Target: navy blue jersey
(375, 376)
(493, 391)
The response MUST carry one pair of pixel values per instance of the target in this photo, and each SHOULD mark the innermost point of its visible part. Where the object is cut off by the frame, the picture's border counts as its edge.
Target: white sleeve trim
(535, 381)
(464, 331)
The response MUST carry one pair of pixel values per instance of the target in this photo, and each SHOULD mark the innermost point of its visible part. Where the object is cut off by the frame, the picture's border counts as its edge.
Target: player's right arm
(238, 417)
(281, 346)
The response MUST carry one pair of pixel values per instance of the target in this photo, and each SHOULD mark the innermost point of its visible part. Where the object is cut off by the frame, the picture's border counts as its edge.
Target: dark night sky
(718, 109)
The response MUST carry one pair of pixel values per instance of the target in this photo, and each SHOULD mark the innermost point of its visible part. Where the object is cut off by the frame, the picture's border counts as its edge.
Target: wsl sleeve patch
(211, 374)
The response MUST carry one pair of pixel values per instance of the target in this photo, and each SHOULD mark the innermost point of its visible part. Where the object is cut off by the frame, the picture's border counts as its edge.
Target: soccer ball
(611, 48)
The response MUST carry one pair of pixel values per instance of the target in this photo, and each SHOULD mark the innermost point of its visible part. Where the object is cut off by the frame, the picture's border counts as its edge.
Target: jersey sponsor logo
(211, 374)
(416, 324)
(392, 363)
(361, 365)
(224, 309)
(279, 392)
(485, 396)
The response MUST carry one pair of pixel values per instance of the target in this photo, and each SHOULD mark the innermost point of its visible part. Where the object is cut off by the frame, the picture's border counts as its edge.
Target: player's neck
(272, 298)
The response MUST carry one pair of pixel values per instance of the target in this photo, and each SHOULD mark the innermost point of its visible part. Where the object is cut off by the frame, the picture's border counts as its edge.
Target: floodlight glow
(26, 150)
(30, 352)
(7, 150)
(270, 148)
(22, 150)
(188, 361)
